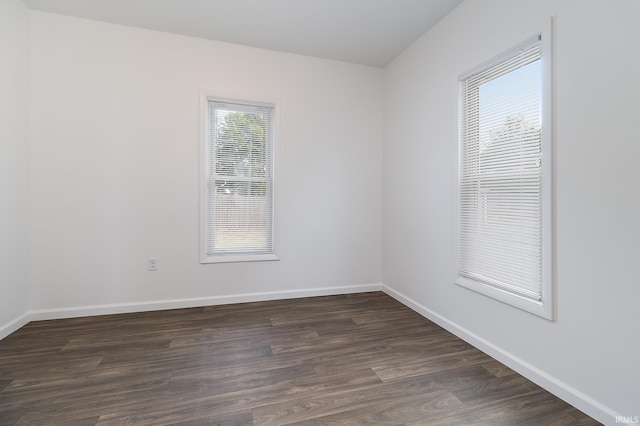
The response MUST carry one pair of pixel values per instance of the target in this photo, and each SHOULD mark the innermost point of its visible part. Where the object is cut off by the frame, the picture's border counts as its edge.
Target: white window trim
(544, 308)
(205, 96)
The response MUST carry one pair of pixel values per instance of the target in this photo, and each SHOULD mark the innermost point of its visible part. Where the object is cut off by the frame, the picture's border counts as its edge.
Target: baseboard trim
(560, 389)
(12, 326)
(121, 308)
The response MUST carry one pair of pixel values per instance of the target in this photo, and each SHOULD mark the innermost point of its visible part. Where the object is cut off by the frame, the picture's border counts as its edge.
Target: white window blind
(500, 214)
(239, 179)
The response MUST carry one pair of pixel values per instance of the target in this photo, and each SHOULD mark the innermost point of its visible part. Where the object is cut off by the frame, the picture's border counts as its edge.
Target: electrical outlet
(152, 264)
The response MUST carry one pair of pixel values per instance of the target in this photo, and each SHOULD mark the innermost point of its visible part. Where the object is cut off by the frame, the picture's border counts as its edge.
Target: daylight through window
(503, 179)
(239, 182)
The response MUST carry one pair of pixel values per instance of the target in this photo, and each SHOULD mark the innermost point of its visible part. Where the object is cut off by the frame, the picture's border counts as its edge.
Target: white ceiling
(370, 32)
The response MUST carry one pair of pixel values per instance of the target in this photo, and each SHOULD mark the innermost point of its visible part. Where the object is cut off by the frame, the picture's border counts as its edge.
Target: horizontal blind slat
(240, 179)
(500, 219)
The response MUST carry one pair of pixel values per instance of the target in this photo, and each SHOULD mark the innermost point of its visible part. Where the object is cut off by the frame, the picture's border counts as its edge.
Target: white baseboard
(12, 326)
(120, 308)
(560, 389)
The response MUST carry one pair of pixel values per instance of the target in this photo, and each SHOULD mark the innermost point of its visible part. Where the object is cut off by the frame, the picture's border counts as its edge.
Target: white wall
(115, 168)
(14, 89)
(590, 354)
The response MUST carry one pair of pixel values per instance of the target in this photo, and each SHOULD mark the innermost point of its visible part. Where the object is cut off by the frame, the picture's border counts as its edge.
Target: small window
(237, 188)
(504, 175)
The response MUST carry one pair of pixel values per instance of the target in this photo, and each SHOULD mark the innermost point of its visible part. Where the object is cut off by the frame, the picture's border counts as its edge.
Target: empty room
(320, 212)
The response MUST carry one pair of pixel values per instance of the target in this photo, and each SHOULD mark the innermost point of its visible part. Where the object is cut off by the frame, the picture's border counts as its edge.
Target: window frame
(545, 307)
(233, 256)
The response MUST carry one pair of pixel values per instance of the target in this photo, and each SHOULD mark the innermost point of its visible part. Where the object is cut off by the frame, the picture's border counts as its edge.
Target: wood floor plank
(172, 405)
(494, 389)
(4, 383)
(239, 383)
(354, 359)
(515, 410)
(10, 416)
(497, 368)
(239, 418)
(382, 410)
(416, 365)
(94, 386)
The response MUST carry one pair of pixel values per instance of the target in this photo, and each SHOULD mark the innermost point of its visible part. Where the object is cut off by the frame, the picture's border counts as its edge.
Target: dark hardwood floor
(351, 359)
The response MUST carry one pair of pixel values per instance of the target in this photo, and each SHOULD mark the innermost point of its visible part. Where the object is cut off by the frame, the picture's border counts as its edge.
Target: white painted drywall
(593, 348)
(14, 90)
(115, 167)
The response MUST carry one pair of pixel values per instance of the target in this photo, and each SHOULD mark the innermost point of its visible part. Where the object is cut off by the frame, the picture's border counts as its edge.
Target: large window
(504, 206)
(237, 187)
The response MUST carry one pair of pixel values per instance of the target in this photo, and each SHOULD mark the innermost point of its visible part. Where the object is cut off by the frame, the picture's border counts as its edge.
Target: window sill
(230, 258)
(540, 308)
